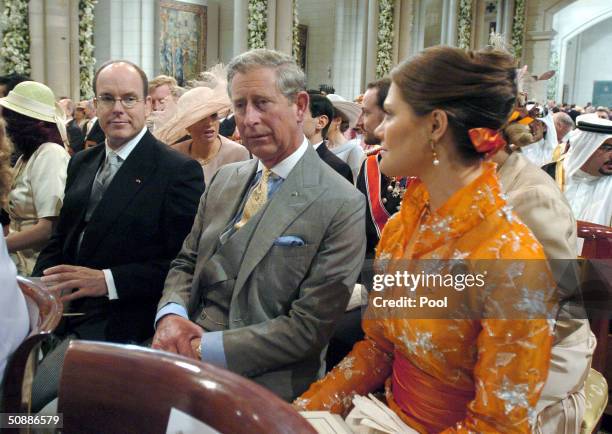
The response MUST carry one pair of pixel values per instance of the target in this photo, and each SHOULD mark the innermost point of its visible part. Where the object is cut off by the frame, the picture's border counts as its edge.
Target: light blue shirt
(213, 350)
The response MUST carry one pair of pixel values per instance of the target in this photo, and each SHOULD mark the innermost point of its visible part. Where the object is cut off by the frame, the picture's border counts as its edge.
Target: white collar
(285, 167)
(582, 176)
(346, 146)
(317, 145)
(124, 151)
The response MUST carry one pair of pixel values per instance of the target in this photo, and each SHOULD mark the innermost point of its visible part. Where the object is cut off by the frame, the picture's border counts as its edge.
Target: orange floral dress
(454, 375)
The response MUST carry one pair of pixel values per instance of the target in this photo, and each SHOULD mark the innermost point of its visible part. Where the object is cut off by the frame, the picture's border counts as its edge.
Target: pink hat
(195, 105)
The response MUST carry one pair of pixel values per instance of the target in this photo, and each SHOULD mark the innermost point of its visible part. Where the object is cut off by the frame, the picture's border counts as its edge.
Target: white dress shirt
(123, 152)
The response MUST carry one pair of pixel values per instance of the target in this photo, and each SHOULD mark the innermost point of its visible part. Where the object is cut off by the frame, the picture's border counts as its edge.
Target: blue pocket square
(289, 240)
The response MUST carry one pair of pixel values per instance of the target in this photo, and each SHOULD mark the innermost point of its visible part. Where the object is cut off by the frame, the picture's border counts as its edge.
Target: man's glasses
(107, 101)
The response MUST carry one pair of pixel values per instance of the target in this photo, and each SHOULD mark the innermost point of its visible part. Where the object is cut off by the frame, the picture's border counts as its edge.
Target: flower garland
(87, 60)
(15, 50)
(258, 11)
(518, 28)
(295, 48)
(464, 24)
(384, 42)
(551, 90)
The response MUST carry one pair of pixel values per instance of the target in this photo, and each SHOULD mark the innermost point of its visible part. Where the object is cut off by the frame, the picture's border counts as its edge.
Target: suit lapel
(81, 190)
(298, 191)
(130, 178)
(223, 203)
(321, 150)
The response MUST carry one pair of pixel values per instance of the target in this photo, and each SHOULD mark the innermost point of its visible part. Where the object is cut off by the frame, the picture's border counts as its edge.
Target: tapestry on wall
(182, 40)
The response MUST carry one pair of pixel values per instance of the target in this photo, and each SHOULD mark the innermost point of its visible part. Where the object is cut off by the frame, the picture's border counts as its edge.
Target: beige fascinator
(209, 97)
(350, 109)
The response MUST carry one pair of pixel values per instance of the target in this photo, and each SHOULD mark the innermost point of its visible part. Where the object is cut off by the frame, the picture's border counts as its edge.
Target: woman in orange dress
(450, 373)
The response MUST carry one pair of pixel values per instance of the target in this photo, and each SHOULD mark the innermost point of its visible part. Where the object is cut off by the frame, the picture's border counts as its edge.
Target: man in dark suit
(316, 123)
(95, 134)
(276, 247)
(128, 205)
(76, 138)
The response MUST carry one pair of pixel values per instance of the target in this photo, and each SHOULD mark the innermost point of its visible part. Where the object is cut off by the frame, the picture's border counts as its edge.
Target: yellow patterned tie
(258, 196)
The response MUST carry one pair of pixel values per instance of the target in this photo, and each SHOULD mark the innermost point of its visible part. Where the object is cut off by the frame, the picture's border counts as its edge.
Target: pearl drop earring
(436, 162)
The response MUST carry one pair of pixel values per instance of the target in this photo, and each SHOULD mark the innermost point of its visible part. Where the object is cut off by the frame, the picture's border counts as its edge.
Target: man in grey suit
(276, 247)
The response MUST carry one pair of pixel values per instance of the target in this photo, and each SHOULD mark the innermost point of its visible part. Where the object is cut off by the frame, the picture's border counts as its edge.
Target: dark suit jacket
(75, 136)
(334, 162)
(135, 231)
(96, 134)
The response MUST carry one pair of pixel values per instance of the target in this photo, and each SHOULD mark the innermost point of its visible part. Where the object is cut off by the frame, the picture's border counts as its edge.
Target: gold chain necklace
(205, 161)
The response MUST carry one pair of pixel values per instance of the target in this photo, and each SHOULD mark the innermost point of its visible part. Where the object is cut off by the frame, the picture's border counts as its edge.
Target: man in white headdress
(584, 174)
(541, 151)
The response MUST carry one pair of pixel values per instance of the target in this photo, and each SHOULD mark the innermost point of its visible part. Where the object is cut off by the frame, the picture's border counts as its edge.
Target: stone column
(37, 41)
(212, 35)
(508, 15)
(404, 29)
(148, 38)
(536, 53)
(271, 26)
(350, 37)
(371, 41)
(284, 26)
(103, 32)
(75, 68)
(241, 22)
(451, 33)
(50, 54)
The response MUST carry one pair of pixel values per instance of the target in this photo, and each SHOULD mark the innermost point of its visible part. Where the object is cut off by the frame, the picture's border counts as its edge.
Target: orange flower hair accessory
(486, 140)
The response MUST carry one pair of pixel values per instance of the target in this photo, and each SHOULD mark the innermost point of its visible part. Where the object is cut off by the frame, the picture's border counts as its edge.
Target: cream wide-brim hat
(37, 101)
(195, 105)
(350, 109)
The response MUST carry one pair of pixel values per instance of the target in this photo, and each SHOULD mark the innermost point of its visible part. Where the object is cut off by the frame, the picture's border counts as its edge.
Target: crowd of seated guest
(154, 229)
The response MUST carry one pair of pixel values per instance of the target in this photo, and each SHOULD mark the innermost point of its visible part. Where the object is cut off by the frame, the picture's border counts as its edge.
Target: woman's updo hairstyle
(477, 89)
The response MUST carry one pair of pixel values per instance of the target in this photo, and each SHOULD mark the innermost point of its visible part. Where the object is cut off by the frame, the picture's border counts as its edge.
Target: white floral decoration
(15, 50)
(384, 42)
(258, 12)
(518, 28)
(87, 61)
(552, 82)
(295, 48)
(464, 24)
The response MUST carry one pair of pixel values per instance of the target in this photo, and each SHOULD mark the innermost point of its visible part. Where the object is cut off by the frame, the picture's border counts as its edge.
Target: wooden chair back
(110, 388)
(45, 311)
(597, 240)
(597, 248)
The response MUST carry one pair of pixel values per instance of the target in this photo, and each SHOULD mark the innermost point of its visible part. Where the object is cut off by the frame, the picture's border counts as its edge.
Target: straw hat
(195, 105)
(37, 101)
(350, 109)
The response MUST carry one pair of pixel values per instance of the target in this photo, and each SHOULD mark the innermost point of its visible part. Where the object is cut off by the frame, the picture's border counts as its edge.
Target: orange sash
(421, 396)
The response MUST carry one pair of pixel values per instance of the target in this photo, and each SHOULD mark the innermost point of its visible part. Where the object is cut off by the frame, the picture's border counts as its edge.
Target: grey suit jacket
(276, 305)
